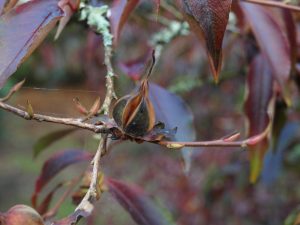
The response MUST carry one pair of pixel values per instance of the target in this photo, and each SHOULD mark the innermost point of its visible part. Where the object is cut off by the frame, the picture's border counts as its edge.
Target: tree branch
(274, 4)
(86, 206)
(93, 193)
(223, 142)
(110, 92)
(75, 122)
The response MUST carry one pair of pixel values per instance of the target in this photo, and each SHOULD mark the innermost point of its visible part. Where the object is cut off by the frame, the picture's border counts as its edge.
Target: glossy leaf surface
(21, 30)
(137, 203)
(57, 163)
(174, 112)
(272, 42)
(208, 19)
(260, 92)
(120, 12)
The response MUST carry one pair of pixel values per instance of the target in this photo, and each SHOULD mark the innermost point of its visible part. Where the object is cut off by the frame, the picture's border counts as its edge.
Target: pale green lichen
(167, 34)
(96, 19)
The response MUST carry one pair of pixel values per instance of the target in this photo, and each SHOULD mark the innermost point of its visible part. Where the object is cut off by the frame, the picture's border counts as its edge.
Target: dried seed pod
(134, 113)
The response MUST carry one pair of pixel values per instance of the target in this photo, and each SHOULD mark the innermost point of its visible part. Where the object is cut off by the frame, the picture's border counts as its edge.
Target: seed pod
(134, 113)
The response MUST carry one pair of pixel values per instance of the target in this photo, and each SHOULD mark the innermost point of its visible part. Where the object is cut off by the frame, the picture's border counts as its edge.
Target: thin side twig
(75, 122)
(13, 90)
(227, 142)
(52, 212)
(274, 4)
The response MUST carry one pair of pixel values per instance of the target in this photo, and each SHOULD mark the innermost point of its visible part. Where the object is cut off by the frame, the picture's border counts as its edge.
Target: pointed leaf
(21, 30)
(174, 112)
(272, 42)
(57, 163)
(120, 12)
(49, 139)
(137, 203)
(69, 7)
(260, 91)
(208, 19)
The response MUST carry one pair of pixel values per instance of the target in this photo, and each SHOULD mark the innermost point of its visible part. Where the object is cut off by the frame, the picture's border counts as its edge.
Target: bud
(21, 215)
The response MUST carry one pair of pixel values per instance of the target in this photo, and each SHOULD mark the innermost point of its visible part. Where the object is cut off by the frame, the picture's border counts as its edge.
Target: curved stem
(224, 142)
(58, 204)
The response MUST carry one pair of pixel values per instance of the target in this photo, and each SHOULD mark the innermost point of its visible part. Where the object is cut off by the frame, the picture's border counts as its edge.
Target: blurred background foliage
(215, 191)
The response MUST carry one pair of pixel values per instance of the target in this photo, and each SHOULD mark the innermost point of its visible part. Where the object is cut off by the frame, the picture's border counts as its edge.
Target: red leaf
(208, 19)
(272, 43)
(260, 91)
(137, 203)
(290, 27)
(120, 12)
(21, 30)
(134, 68)
(174, 112)
(57, 163)
(2, 3)
(44, 206)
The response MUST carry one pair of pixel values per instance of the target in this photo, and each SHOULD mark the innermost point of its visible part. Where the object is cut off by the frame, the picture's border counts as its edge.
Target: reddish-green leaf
(120, 12)
(21, 30)
(272, 42)
(57, 163)
(137, 203)
(174, 112)
(49, 139)
(208, 19)
(260, 92)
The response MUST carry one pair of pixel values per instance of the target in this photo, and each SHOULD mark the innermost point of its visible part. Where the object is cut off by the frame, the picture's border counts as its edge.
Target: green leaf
(49, 139)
